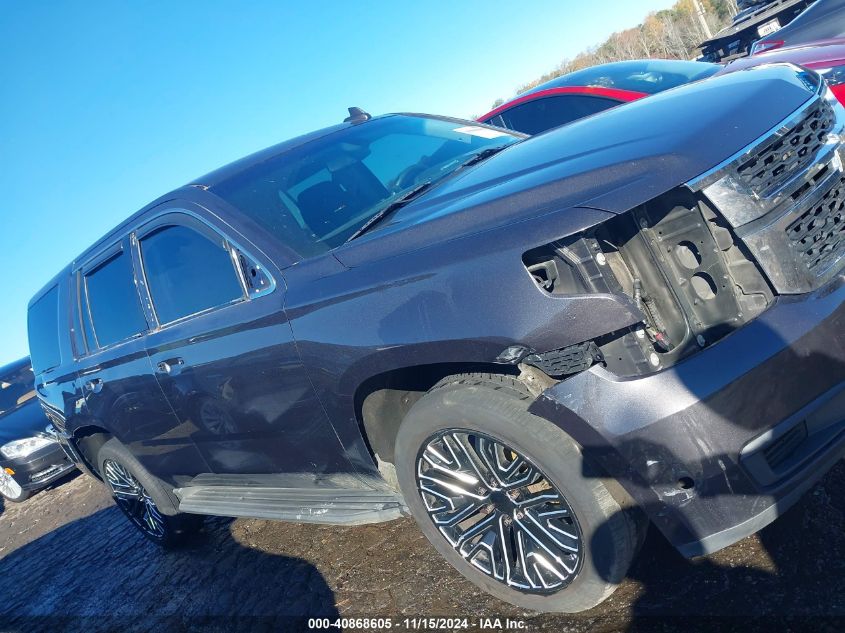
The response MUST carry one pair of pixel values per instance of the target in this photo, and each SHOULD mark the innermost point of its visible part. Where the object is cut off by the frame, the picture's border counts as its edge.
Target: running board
(331, 506)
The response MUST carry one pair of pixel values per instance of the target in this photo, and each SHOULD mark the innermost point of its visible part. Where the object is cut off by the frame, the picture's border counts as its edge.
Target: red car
(825, 57)
(592, 90)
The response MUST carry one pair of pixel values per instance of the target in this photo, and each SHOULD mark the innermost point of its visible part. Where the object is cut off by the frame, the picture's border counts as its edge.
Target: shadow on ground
(96, 573)
(788, 577)
(69, 552)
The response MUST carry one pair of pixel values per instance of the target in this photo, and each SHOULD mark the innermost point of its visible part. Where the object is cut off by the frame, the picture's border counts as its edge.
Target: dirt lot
(69, 561)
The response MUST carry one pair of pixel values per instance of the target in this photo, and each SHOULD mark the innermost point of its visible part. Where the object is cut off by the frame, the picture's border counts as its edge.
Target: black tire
(176, 529)
(497, 407)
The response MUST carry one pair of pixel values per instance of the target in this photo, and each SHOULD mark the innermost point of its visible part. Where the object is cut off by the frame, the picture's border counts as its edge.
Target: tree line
(674, 33)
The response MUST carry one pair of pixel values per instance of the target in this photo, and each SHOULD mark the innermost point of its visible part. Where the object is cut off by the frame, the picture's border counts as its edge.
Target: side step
(329, 505)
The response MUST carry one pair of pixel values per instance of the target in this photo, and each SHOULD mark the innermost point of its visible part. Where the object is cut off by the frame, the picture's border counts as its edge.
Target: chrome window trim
(145, 299)
(102, 257)
(159, 220)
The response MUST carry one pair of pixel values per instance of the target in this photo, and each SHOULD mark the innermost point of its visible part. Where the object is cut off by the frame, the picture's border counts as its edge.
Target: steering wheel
(408, 175)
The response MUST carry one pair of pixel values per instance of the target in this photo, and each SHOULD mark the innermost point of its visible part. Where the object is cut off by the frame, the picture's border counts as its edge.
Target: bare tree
(675, 33)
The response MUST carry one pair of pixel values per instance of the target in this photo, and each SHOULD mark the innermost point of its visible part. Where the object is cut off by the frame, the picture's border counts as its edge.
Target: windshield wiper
(480, 156)
(415, 191)
(391, 207)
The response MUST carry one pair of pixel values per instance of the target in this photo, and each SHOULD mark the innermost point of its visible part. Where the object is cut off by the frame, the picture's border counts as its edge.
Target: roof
(14, 367)
(213, 178)
(813, 55)
(227, 171)
(598, 75)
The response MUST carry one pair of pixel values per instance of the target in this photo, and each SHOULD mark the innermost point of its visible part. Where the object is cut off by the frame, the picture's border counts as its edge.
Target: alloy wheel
(499, 511)
(216, 419)
(9, 488)
(135, 502)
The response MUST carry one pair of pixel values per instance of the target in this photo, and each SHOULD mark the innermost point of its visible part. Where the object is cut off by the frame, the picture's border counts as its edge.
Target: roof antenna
(357, 115)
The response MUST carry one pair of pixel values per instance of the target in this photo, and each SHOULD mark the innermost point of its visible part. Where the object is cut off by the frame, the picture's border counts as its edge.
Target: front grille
(47, 473)
(773, 165)
(818, 234)
(785, 195)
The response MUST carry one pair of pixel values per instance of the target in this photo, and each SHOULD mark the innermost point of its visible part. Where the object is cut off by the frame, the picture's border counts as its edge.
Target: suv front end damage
(737, 368)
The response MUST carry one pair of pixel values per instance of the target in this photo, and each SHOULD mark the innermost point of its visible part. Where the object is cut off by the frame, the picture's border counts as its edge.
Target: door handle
(94, 385)
(171, 366)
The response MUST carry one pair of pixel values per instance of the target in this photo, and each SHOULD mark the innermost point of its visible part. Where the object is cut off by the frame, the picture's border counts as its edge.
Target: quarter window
(187, 273)
(113, 302)
(43, 326)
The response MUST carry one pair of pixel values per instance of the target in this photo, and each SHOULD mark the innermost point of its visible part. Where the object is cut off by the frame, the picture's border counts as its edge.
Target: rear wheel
(508, 499)
(142, 497)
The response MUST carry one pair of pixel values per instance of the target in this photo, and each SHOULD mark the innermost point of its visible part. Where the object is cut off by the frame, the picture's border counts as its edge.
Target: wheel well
(382, 401)
(88, 440)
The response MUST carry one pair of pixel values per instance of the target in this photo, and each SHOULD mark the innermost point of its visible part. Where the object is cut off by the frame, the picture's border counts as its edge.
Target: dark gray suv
(536, 347)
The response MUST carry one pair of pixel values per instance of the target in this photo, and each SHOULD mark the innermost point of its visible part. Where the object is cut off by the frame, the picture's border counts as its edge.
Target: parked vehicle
(30, 456)
(750, 25)
(823, 20)
(535, 347)
(586, 92)
(744, 5)
(827, 58)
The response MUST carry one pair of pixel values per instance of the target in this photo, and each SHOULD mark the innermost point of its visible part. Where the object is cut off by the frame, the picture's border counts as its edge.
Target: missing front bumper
(675, 440)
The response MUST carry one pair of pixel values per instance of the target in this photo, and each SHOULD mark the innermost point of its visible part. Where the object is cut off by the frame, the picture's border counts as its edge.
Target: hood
(613, 161)
(25, 421)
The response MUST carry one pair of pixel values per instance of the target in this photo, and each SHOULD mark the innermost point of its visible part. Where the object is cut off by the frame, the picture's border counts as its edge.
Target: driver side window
(187, 273)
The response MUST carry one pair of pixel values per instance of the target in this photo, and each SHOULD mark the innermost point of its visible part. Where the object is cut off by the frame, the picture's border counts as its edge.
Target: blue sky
(106, 105)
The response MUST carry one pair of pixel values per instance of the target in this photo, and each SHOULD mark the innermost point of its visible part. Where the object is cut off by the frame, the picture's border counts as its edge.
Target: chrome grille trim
(819, 233)
(765, 218)
(772, 246)
(775, 164)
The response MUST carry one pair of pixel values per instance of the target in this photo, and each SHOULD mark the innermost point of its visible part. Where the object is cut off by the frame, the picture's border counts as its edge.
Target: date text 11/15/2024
(418, 624)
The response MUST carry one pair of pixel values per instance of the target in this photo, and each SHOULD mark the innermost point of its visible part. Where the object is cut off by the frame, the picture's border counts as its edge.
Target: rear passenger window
(113, 302)
(43, 327)
(187, 273)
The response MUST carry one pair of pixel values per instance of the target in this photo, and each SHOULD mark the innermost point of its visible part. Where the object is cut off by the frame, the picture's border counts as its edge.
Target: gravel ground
(70, 561)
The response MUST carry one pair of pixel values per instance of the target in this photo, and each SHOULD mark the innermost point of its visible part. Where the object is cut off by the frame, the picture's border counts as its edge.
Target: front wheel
(11, 489)
(508, 499)
(141, 496)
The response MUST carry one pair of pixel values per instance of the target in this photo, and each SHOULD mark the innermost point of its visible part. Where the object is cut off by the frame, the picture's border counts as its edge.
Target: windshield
(648, 76)
(313, 198)
(16, 388)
